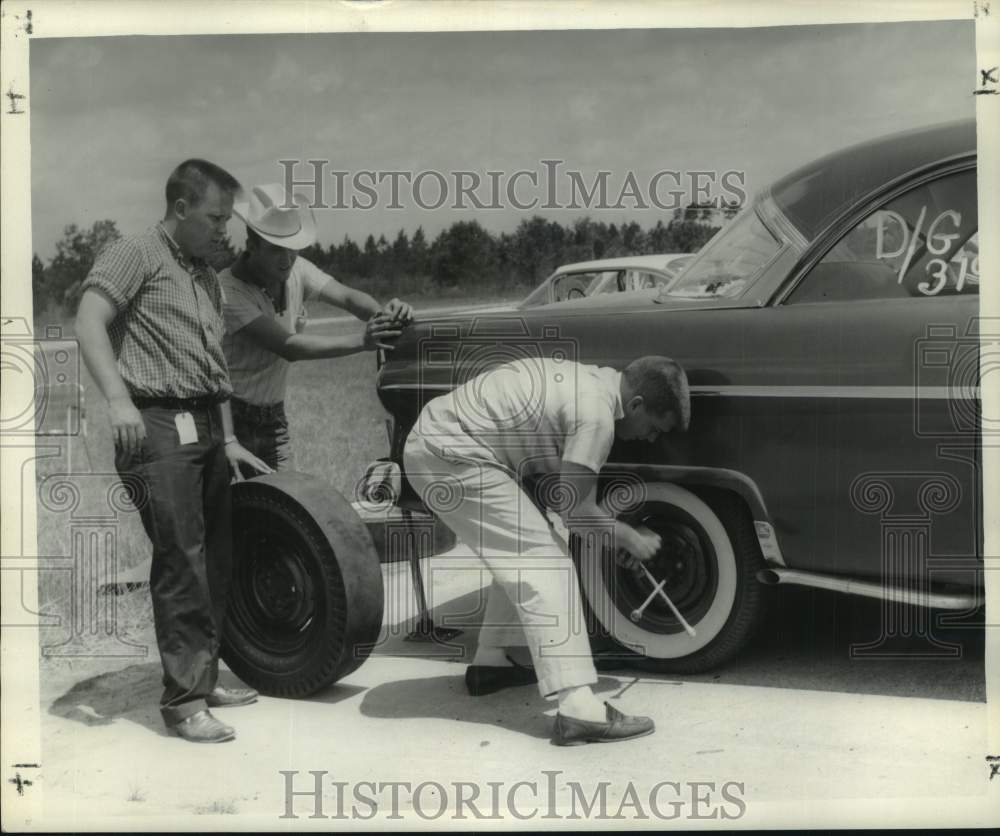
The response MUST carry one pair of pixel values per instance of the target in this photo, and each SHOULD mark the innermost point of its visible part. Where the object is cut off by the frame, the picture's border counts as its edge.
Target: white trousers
(535, 597)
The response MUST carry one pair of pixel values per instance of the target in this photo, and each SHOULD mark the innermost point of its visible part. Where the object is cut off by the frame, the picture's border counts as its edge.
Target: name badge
(187, 433)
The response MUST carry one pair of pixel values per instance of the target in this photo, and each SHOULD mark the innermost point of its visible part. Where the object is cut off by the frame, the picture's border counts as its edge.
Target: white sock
(581, 704)
(493, 657)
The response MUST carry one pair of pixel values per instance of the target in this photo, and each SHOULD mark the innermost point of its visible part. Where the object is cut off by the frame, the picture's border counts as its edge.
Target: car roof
(656, 261)
(812, 196)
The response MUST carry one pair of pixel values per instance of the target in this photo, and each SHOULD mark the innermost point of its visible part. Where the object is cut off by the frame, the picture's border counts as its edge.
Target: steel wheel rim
(687, 559)
(273, 601)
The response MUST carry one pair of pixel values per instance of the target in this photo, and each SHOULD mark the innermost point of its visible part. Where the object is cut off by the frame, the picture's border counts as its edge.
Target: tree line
(463, 259)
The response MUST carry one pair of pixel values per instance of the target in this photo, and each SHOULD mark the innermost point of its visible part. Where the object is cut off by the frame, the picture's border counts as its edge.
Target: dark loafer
(202, 727)
(487, 679)
(227, 697)
(572, 732)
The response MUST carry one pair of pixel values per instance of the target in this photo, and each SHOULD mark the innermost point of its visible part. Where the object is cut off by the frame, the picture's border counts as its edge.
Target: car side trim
(862, 392)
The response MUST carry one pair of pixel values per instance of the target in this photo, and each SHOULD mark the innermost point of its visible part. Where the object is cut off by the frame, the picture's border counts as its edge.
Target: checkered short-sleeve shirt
(167, 336)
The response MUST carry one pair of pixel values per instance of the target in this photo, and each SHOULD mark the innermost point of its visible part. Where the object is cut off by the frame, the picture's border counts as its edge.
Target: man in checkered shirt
(150, 328)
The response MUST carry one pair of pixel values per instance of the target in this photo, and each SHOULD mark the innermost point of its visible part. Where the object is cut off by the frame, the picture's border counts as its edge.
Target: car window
(539, 296)
(627, 281)
(676, 265)
(730, 262)
(921, 244)
(574, 285)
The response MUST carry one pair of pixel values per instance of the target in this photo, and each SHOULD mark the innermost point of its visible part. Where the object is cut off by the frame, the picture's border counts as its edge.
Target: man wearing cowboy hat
(266, 288)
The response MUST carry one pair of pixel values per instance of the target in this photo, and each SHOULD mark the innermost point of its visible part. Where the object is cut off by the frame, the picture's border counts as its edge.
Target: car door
(888, 320)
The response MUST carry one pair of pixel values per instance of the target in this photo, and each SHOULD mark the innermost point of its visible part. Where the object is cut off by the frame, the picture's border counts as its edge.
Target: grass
(336, 421)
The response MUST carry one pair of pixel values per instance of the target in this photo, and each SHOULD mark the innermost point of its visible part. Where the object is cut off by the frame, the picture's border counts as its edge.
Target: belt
(258, 412)
(179, 404)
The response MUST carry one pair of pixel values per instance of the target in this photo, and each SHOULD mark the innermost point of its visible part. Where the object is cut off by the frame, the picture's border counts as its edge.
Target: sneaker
(569, 731)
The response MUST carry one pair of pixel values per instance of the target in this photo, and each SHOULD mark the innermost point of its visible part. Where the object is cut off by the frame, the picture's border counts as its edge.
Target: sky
(111, 117)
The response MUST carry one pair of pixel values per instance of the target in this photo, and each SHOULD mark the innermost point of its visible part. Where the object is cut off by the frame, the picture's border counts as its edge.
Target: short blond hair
(663, 386)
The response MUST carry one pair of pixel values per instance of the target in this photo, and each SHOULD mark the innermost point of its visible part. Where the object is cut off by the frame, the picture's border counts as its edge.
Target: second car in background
(608, 275)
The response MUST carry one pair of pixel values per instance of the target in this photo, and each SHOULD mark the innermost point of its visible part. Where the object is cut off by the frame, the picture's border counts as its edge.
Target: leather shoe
(487, 679)
(227, 697)
(202, 727)
(570, 731)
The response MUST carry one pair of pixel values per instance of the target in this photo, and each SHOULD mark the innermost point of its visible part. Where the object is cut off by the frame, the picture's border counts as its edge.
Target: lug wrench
(636, 614)
(659, 589)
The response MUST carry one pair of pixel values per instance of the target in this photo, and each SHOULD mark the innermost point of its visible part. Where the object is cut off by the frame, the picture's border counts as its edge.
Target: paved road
(795, 727)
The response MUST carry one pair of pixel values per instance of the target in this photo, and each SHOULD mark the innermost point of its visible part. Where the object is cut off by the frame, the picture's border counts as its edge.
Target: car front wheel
(707, 564)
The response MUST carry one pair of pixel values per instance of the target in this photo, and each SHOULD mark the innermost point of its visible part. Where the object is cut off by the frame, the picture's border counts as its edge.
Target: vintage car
(607, 275)
(831, 338)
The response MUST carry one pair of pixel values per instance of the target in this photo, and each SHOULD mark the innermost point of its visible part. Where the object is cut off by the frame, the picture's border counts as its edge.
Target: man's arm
(270, 334)
(363, 306)
(94, 316)
(355, 302)
(579, 485)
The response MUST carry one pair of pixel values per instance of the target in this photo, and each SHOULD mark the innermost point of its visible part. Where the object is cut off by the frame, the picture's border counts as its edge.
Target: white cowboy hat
(267, 213)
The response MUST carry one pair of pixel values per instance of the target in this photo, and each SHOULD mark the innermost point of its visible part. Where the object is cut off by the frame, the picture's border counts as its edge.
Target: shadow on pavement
(445, 698)
(132, 694)
(805, 642)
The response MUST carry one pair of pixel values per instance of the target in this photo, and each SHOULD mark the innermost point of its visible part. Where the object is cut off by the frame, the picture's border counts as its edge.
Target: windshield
(730, 262)
(539, 296)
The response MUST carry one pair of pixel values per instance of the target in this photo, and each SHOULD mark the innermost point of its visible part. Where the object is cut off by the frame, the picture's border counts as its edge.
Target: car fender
(711, 477)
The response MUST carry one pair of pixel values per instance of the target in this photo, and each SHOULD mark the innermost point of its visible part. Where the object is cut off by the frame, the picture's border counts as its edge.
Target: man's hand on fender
(381, 330)
(399, 311)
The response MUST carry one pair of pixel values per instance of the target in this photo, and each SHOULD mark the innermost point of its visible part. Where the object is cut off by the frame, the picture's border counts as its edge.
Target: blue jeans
(183, 497)
(263, 430)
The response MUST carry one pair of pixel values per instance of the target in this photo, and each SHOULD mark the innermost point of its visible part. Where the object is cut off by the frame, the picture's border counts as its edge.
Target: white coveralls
(466, 455)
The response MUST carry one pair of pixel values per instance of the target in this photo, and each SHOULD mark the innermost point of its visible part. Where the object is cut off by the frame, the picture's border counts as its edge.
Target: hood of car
(653, 298)
(470, 310)
(610, 304)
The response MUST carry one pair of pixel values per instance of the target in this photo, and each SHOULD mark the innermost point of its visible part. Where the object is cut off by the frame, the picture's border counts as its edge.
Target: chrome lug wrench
(658, 588)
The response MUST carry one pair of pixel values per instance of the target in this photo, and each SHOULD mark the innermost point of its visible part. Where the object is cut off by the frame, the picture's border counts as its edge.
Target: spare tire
(305, 606)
